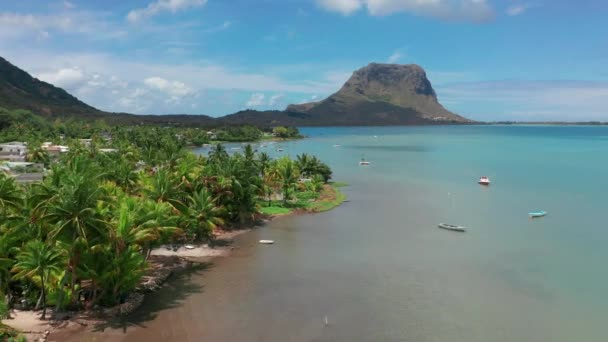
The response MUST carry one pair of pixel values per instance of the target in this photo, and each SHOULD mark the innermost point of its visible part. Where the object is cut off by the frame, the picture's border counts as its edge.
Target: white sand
(201, 250)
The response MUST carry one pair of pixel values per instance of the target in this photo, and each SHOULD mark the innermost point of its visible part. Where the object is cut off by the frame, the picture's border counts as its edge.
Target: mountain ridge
(377, 94)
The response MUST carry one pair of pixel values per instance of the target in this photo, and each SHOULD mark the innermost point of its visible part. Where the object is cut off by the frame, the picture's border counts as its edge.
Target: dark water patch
(391, 148)
(178, 288)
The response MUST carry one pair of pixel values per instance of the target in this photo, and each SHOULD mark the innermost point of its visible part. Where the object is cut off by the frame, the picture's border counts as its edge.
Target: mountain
(382, 94)
(19, 90)
(378, 94)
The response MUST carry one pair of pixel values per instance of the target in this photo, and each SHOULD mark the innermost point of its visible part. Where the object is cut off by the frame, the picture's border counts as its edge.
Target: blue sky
(487, 59)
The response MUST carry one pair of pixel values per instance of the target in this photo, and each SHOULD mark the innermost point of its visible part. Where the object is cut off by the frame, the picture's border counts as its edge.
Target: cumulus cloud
(465, 10)
(517, 9)
(69, 78)
(175, 89)
(68, 5)
(216, 88)
(159, 6)
(345, 7)
(256, 100)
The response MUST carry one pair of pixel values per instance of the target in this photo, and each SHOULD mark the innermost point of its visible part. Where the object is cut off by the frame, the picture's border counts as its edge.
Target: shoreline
(163, 263)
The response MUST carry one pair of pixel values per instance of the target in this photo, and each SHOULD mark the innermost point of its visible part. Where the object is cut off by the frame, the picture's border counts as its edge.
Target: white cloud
(517, 9)
(68, 5)
(18, 21)
(134, 101)
(69, 78)
(158, 6)
(276, 100)
(19, 26)
(256, 100)
(175, 89)
(345, 7)
(465, 10)
(110, 82)
(395, 57)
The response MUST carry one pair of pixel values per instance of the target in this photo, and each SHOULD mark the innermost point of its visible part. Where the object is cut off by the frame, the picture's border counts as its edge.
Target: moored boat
(363, 162)
(452, 227)
(535, 214)
(484, 180)
(267, 242)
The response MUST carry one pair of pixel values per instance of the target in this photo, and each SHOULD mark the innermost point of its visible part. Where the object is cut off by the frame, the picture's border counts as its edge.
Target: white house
(13, 151)
(13, 148)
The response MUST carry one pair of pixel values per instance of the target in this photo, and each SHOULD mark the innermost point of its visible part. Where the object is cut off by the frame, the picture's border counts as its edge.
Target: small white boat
(536, 214)
(337, 145)
(189, 247)
(484, 180)
(363, 162)
(452, 227)
(267, 242)
(279, 150)
(235, 148)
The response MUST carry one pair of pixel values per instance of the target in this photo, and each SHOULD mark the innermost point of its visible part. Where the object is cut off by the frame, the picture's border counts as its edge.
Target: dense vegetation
(82, 236)
(22, 125)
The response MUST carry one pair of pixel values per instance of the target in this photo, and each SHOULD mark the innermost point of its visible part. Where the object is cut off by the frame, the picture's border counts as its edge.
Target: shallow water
(378, 269)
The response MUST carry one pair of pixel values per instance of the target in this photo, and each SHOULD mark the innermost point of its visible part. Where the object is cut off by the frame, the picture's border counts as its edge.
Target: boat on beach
(267, 242)
(484, 180)
(535, 214)
(452, 227)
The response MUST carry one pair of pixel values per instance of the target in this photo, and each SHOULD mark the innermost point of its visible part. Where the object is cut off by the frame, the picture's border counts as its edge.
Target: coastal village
(14, 159)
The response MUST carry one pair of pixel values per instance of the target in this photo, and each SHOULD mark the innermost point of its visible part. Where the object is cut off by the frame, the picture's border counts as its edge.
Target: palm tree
(72, 214)
(264, 162)
(37, 262)
(288, 174)
(11, 196)
(305, 164)
(164, 187)
(202, 215)
(218, 154)
(36, 154)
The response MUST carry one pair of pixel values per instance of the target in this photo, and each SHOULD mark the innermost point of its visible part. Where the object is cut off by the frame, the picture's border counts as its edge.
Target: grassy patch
(329, 198)
(338, 184)
(275, 210)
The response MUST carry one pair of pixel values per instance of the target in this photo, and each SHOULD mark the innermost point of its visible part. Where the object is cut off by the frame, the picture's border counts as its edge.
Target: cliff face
(392, 92)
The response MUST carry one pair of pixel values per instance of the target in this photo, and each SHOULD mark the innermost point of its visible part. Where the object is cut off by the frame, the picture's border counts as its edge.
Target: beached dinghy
(535, 214)
(452, 227)
(267, 242)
